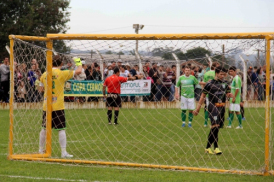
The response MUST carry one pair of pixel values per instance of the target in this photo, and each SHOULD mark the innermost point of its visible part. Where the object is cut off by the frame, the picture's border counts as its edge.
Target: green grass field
(144, 136)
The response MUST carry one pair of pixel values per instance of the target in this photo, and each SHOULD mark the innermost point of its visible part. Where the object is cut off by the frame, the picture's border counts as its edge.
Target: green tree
(108, 52)
(197, 52)
(33, 18)
(120, 53)
(168, 56)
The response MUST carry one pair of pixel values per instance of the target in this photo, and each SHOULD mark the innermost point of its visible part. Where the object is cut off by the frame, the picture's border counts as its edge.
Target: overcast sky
(171, 16)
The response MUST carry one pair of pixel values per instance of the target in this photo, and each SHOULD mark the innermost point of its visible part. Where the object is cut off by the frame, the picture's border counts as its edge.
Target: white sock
(184, 122)
(42, 140)
(63, 141)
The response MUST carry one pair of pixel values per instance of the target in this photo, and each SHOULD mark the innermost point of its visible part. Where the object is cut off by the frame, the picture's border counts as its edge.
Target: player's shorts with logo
(113, 100)
(187, 103)
(58, 120)
(216, 113)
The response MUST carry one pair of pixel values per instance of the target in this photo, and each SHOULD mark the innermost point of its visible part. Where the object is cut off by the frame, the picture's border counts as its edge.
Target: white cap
(127, 64)
(83, 62)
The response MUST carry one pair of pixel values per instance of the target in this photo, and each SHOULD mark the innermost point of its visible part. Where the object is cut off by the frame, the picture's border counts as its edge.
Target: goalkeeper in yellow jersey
(58, 114)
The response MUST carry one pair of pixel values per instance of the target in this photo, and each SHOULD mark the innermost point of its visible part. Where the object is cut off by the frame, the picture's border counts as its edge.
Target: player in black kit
(217, 90)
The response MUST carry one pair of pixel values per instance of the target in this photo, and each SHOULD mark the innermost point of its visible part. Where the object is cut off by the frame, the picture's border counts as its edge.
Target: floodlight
(135, 26)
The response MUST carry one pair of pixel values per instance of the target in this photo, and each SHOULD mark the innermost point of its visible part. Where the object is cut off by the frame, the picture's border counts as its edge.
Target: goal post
(46, 54)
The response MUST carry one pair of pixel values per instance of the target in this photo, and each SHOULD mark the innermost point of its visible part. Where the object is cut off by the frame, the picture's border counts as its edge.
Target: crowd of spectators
(162, 77)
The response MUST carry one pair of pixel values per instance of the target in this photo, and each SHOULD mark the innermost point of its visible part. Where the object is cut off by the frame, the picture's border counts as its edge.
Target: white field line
(39, 178)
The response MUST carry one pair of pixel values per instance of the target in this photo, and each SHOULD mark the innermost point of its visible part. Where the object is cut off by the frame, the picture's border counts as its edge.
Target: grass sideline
(33, 171)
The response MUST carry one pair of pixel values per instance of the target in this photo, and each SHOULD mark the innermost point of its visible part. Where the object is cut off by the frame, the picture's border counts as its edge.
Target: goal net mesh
(150, 125)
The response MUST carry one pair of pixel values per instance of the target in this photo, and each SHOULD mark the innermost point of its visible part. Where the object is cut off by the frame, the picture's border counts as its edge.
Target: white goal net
(152, 128)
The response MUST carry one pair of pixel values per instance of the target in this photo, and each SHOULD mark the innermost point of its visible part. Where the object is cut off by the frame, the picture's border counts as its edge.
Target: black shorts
(216, 115)
(113, 100)
(58, 120)
(165, 91)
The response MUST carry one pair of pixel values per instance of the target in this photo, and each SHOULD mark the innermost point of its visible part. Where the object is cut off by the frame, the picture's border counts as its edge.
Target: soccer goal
(153, 131)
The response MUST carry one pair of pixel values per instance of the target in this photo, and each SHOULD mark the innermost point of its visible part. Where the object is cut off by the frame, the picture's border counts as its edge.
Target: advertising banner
(94, 88)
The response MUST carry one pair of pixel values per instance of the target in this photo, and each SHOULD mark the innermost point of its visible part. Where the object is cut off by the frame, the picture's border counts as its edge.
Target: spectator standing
(96, 74)
(254, 80)
(146, 77)
(81, 76)
(38, 96)
(68, 66)
(249, 82)
(153, 73)
(119, 63)
(167, 83)
(124, 73)
(88, 73)
(5, 79)
(109, 71)
(182, 72)
(173, 80)
(113, 64)
(159, 84)
(133, 72)
(260, 83)
(31, 79)
(21, 92)
(147, 65)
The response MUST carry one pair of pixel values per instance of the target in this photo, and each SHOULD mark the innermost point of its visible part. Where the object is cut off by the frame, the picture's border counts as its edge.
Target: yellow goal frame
(268, 36)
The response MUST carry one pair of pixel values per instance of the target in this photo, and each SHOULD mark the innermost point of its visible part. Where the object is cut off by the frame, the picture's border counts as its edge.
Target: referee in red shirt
(113, 83)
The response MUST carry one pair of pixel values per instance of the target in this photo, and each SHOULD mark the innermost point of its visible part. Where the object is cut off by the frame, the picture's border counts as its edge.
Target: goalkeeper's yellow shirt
(59, 79)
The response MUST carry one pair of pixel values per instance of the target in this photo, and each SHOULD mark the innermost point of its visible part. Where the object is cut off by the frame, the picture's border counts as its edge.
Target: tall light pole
(137, 27)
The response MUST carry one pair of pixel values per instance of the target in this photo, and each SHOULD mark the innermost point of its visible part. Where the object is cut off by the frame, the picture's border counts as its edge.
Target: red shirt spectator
(113, 83)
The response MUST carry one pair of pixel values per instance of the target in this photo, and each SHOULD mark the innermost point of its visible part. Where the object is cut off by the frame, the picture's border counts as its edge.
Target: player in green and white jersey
(186, 83)
(236, 101)
(208, 76)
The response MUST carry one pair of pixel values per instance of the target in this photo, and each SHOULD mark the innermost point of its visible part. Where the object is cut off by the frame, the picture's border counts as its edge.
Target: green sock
(231, 117)
(190, 117)
(183, 115)
(239, 116)
(206, 117)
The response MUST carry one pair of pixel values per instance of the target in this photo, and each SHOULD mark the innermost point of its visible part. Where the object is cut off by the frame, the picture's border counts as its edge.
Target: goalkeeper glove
(77, 61)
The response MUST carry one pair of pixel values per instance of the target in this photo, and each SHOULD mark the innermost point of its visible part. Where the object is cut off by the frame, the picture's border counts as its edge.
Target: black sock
(210, 138)
(216, 131)
(242, 111)
(116, 113)
(109, 115)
